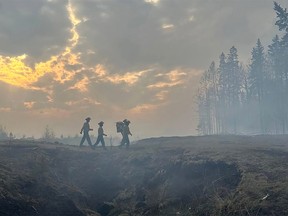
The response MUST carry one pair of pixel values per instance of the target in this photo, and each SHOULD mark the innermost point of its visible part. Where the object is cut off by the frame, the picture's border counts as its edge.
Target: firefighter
(85, 130)
(101, 135)
(125, 134)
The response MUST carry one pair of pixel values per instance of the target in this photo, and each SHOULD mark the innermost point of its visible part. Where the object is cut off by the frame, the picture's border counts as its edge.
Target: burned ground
(212, 175)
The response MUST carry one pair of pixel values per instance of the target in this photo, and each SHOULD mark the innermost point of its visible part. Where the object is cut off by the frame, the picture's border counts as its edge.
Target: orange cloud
(81, 85)
(173, 78)
(129, 78)
(83, 102)
(100, 70)
(139, 109)
(5, 109)
(16, 72)
(162, 95)
(29, 104)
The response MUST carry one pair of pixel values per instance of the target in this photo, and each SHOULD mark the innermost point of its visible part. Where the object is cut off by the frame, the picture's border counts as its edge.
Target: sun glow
(152, 1)
(15, 71)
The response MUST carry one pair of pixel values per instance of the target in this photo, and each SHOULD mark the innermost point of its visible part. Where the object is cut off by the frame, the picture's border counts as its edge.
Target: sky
(64, 60)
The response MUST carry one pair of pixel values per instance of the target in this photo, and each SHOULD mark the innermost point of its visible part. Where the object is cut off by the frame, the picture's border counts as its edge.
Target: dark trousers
(100, 139)
(86, 137)
(125, 140)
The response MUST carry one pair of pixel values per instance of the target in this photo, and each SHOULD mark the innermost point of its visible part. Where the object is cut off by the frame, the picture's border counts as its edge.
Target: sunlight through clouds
(103, 58)
(81, 85)
(29, 105)
(100, 70)
(129, 78)
(16, 72)
(5, 109)
(83, 102)
(142, 108)
(173, 78)
(168, 26)
(152, 1)
(162, 95)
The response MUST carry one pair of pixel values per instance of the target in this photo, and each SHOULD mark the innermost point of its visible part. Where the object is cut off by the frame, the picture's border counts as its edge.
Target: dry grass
(209, 175)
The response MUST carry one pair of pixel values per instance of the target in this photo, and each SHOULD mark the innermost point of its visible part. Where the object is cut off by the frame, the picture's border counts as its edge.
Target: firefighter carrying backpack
(119, 127)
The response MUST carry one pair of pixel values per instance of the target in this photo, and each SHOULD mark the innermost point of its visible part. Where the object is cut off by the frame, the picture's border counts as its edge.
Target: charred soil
(210, 175)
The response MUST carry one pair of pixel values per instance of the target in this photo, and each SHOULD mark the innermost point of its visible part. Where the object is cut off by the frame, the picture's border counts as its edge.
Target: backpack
(119, 127)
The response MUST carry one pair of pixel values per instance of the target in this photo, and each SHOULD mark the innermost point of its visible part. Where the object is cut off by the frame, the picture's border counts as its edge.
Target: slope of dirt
(210, 175)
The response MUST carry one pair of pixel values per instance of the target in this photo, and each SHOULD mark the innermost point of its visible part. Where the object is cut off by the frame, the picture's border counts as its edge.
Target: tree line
(235, 98)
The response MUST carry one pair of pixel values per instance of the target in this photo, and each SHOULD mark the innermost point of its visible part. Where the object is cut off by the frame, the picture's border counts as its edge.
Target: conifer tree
(256, 79)
(230, 96)
(276, 87)
(223, 93)
(282, 16)
(234, 86)
(207, 99)
(282, 23)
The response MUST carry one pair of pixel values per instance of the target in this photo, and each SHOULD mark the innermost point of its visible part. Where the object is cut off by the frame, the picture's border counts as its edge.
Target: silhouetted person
(125, 134)
(100, 137)
(85, 129)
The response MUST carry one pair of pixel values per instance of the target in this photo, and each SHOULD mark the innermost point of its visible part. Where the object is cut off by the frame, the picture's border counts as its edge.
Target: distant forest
(248, 99)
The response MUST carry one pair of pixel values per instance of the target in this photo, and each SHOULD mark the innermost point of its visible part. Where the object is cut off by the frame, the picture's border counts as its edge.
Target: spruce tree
(276, 86)
(234, 83)
(256, 80)
(282, 15)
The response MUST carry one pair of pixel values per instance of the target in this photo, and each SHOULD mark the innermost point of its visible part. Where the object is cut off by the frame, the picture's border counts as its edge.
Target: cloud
(29, 104)
(168, 26)
(129, 78)
(173, 78)
(117, 58)
(86, 102)
(15, 72)
(81, 85)
(142, 108)
(162, 95)
(28, 27)
(5, 109)
(152, 1)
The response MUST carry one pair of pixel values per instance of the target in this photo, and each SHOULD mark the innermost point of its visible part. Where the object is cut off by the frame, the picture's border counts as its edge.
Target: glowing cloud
(100, 70)
(29, 104)
(191, 18)
(129, 78)
(176, 75)
(81, 85)
(168, 26)
(143, 108)
(83, 102)
(152, 1)
(16, 72)
(5, 109)
(162, 95)
(173, 78)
